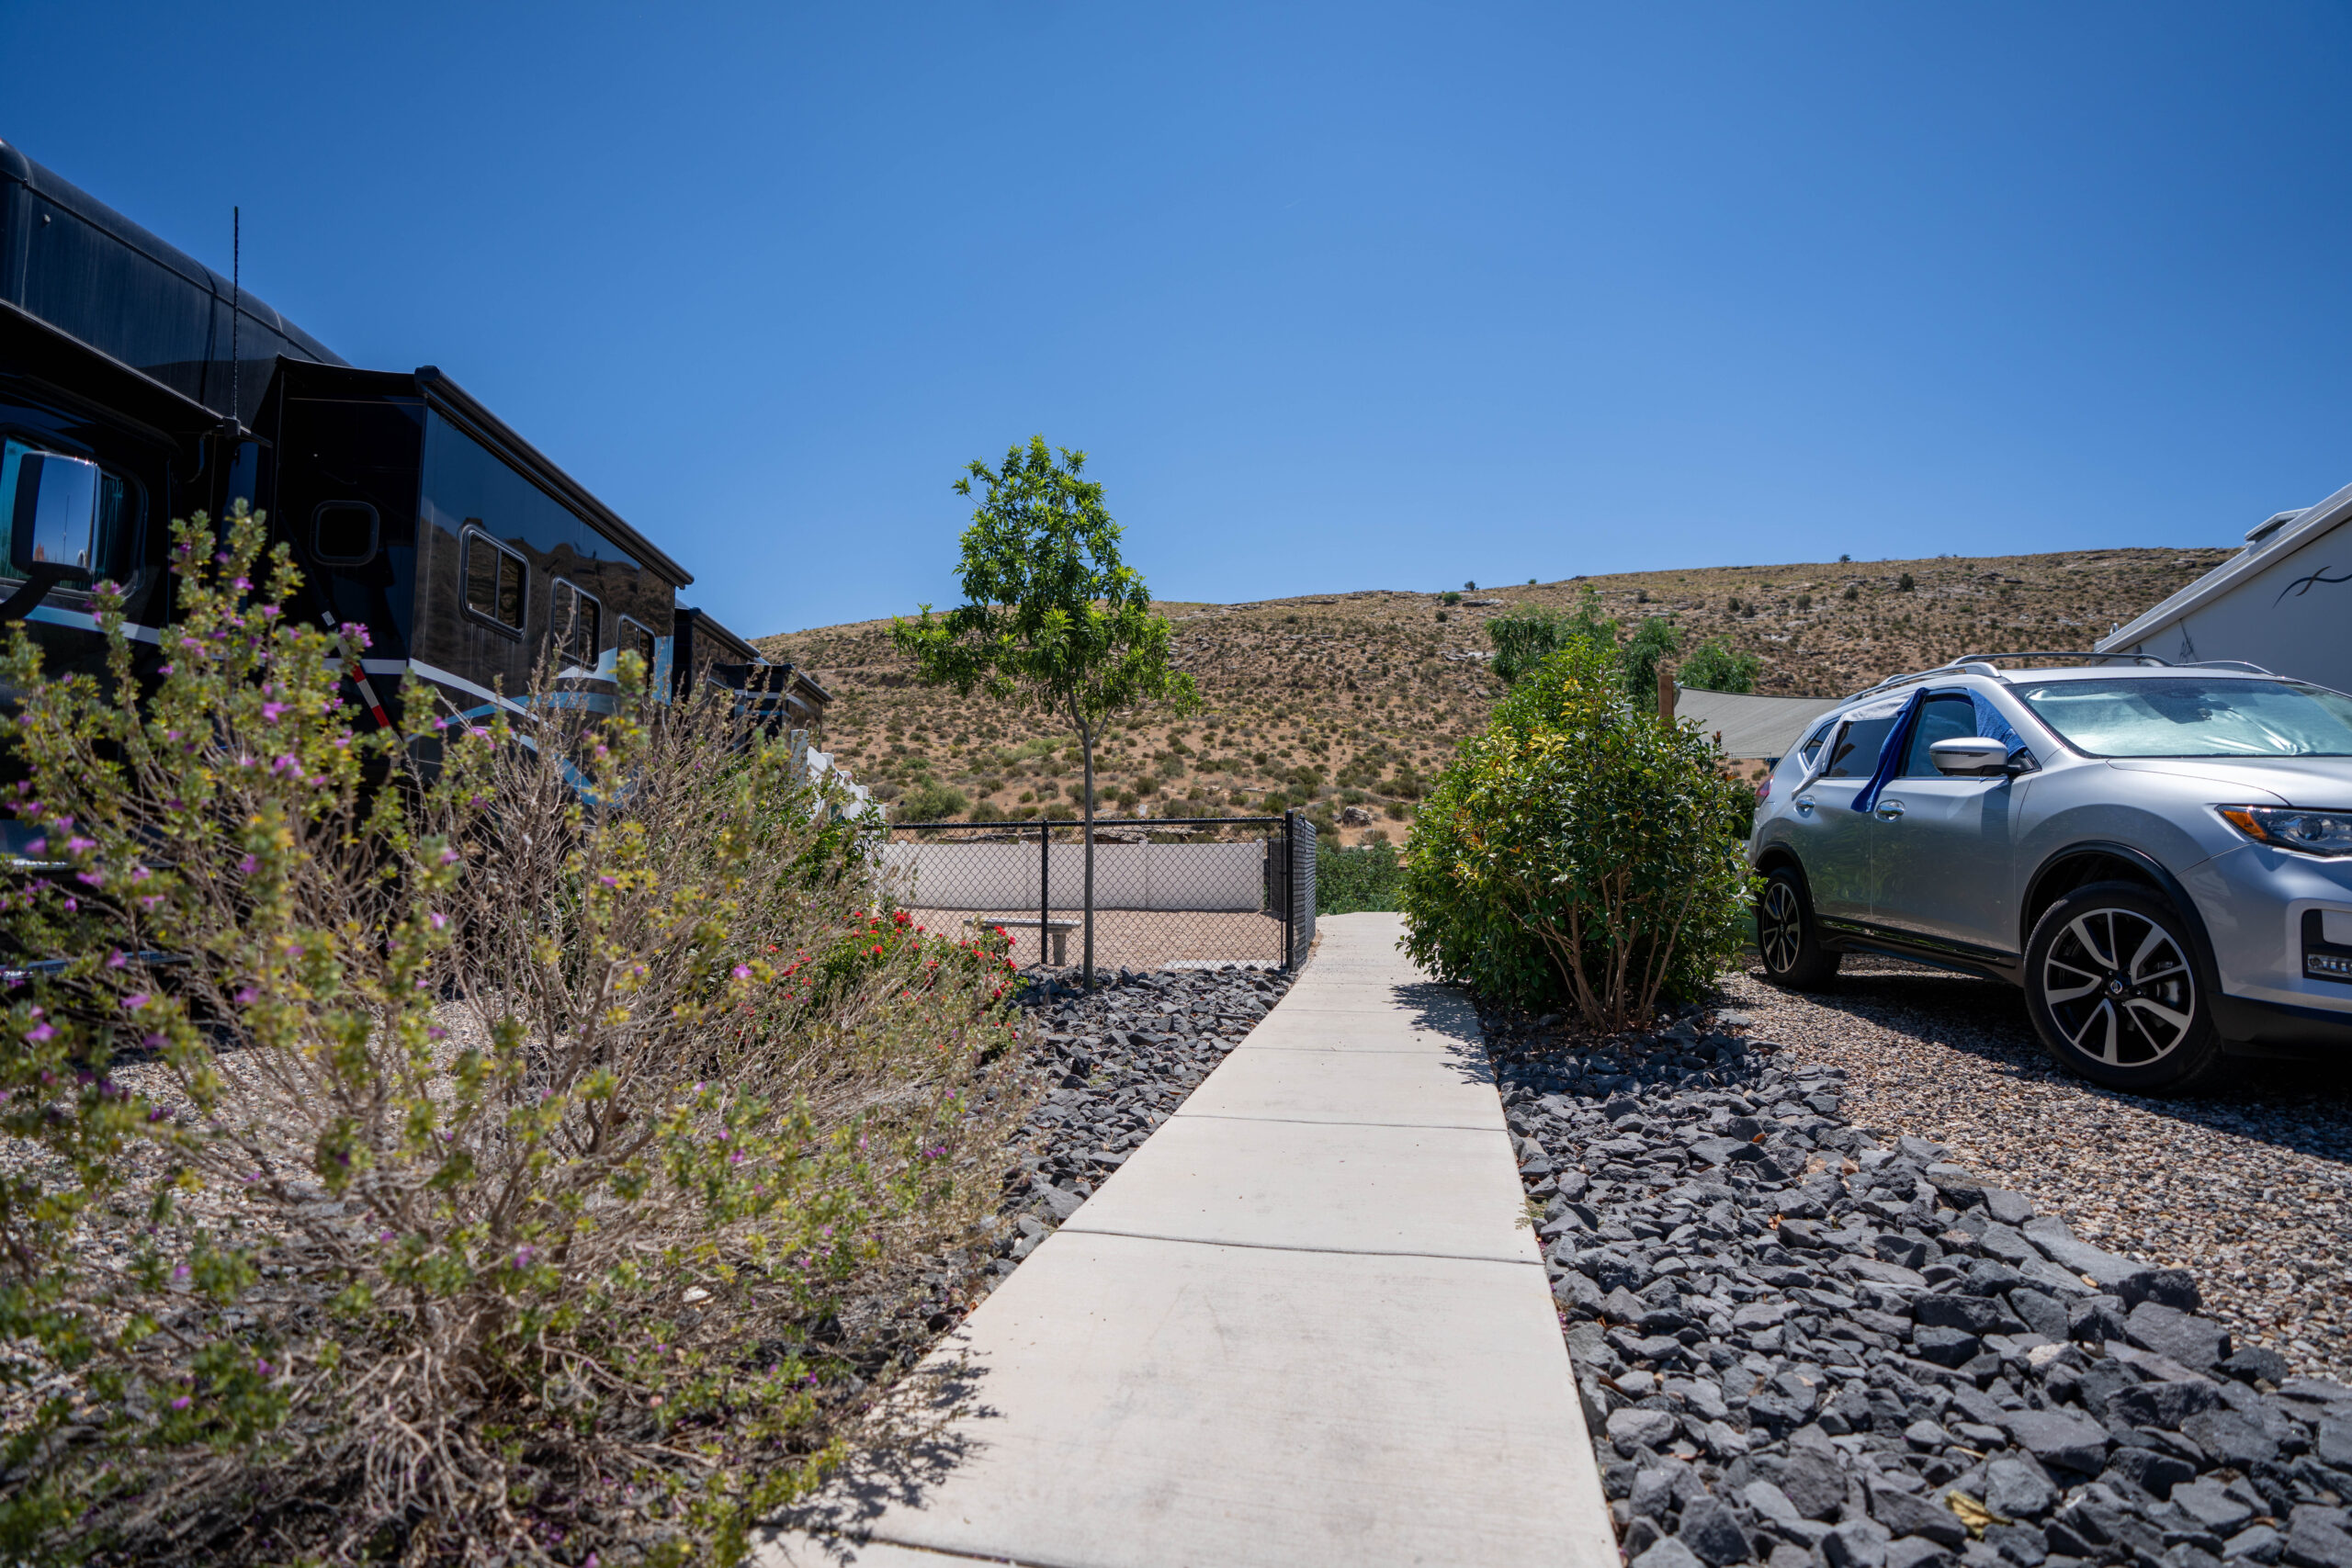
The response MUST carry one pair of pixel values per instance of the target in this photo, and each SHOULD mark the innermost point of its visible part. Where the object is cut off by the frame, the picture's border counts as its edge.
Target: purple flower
(742, 970)
(182, 1401)
(40, 1031)
(247, 997)
(270, 711)
(136, 1000)
(115, 960)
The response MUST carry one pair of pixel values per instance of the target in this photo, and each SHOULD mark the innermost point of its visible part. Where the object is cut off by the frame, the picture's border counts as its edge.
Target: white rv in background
(2283, 603)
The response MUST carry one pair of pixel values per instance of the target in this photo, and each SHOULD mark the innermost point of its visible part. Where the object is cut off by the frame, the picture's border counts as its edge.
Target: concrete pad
(1389, 1089)
(1432, 1191)
(1353, 1031)
(1152, 1403)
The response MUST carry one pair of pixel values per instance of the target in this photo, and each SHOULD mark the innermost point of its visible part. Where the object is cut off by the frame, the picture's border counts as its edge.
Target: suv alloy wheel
(1787, 937)
(2112, 984)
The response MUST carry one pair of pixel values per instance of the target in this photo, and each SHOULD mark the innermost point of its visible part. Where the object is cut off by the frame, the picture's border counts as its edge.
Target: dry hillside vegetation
(1356, 699)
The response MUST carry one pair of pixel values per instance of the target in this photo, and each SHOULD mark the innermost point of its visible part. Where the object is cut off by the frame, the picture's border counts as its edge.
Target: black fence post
(1044, 887)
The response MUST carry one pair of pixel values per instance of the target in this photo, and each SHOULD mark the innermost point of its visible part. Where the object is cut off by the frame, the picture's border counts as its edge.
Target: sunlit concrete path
(1306, 1322)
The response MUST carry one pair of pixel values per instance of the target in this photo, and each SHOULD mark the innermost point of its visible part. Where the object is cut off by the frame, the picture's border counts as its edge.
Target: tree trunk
(1086, 742)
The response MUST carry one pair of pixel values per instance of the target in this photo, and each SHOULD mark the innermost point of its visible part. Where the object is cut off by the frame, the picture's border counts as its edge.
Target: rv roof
(2265, 544)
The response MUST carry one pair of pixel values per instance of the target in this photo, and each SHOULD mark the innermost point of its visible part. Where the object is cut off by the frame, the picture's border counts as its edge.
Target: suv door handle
(1804, 803)
(1888, 810)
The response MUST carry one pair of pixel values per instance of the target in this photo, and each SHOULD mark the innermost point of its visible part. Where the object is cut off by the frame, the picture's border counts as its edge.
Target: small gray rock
(2059, 1437)
(1774, 1505)
(1916, 1552)
(1668, 1553)
(2008, 1208)
(2316, 1539)
(2212, 1506)
(2018, 1489)
(1856, 1543)
(1632, 1428)
(1813, 1483)
(2162, 1404)
(1904, 1515)
(2198, 1343)
(1946, 1346)
(1712, 1531)
(2333, 1444)
(2168, 1287)
(2153, 1472)
(2231, 1438)
(2063, 1248)
(2258, 1543)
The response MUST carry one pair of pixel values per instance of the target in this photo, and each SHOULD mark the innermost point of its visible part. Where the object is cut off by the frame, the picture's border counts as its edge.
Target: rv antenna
(236, 297)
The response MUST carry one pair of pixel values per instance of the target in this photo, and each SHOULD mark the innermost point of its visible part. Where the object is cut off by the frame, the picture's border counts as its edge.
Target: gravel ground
(1798, 1343)
(2249, 1187)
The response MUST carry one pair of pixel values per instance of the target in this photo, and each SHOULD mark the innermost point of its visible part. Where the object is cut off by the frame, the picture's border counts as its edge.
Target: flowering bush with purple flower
(536, 1171)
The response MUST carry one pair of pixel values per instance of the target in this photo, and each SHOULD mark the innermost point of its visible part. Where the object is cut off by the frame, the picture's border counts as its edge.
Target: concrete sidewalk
(1306, 1322)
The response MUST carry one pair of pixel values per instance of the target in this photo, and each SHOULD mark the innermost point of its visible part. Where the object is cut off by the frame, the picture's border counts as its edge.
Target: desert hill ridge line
(1355, 699)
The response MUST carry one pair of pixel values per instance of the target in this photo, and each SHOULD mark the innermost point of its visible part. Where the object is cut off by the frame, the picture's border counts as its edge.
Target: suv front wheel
(2112, 985)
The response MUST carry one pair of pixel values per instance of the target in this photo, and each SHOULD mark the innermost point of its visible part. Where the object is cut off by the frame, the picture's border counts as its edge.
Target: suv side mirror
(1976, 757)
(54, 518)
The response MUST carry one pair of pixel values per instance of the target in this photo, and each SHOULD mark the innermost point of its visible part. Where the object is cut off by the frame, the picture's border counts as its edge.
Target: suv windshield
(2195, 716)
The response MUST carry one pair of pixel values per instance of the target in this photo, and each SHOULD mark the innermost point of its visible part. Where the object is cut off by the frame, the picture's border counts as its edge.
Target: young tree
(1050, 619)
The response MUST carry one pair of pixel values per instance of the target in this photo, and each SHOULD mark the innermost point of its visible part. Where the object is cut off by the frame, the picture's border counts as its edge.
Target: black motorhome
(412, 509)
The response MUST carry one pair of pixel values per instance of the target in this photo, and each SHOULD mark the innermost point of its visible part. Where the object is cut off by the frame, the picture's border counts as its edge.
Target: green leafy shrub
(1716, 666)
(928, 800)
(522, 1140)
(1651, 644)
(1578, 851)
(1365, 877)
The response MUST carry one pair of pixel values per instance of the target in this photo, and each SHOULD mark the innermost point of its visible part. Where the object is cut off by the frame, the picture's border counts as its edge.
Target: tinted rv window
(120, 503)
(493, 582)
(343, 533)
(574, 628)
(636, 639)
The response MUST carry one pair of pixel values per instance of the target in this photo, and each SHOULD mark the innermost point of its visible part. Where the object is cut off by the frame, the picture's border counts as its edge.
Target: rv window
(343, 533)
(494, 577)
(121, 502)
(574, 629)
(635, 638)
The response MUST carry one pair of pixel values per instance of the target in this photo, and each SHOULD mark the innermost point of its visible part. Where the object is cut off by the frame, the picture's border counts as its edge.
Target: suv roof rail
(2063, 653)
(1982, 664)
(2229, 664)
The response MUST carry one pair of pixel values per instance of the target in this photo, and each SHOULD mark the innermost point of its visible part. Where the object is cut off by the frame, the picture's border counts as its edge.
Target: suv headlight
(2284, 828)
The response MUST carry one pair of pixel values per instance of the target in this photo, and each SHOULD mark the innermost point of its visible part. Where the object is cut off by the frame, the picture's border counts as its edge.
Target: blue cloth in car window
(1993, 726)
(1890, 755)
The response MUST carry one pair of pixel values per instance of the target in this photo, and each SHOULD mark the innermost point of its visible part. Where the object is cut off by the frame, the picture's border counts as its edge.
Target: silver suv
(2161, 856)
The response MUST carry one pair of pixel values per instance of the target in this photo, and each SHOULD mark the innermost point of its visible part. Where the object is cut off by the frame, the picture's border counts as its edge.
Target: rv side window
(120, 503)
(343, 533)
(494, 578)
(574, 628)
(638, 639)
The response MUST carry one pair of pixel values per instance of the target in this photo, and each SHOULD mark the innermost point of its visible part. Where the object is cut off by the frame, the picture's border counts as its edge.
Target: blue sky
(1335, 296)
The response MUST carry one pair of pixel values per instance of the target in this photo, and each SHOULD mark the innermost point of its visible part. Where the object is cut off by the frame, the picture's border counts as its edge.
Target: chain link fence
(1164, 892)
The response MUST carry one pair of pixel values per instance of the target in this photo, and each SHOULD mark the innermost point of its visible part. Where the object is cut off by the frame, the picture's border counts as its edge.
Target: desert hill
(1355, 699)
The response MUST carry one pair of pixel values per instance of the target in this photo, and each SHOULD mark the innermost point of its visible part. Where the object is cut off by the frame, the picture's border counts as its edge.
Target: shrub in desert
(474, 1142)
(1579, 852)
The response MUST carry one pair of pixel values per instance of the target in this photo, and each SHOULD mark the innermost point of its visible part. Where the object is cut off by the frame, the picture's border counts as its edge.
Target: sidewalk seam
(1329, 1251)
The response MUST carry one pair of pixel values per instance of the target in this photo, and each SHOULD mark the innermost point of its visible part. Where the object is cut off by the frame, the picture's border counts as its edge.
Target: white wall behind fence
(1002, 878)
